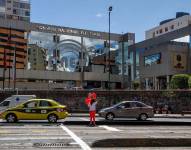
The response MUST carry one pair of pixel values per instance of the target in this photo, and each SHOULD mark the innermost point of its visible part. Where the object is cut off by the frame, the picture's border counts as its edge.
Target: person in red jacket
(92, 112)
(91, 103)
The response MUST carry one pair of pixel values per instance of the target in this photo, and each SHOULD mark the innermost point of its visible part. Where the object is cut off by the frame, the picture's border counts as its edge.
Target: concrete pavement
(59, 136)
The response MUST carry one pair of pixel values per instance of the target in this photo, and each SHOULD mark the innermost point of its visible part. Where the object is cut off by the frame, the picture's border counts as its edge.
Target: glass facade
(2, 8)
(67, 53)
(119, 59)
(131, 65)
(2, 3)
(152, 59)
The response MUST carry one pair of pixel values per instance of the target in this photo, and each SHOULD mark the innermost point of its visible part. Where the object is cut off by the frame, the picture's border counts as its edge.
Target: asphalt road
(32, 135)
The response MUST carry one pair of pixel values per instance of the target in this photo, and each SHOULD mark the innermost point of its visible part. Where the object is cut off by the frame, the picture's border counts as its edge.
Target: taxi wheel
(109, 116)
(11, 118)
(52, 118)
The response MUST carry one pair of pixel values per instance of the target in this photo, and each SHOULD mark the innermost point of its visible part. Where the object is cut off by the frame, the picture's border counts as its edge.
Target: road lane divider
(110, 128)
(32, 138)
(84, 119)
(80, 142)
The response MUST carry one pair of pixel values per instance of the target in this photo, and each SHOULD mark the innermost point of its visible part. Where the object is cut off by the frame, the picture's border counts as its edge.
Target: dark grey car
(127, 109)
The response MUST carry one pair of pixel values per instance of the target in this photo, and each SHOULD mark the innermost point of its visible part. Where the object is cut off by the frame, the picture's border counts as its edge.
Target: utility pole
(109, 85)
(4, 67)
(123, 62)
(9, 45)
(14, 68)
(109, 67)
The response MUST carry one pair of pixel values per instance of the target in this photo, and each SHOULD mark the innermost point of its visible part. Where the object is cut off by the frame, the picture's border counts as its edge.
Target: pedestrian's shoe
(90, 125)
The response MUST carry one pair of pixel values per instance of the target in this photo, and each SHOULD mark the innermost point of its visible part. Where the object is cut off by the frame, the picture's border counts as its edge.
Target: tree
(136, 85)
(179, 81)
(189, 82)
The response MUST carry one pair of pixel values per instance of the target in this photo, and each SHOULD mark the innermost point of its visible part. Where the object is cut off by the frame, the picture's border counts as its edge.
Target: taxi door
(45, 107)
(30, 111)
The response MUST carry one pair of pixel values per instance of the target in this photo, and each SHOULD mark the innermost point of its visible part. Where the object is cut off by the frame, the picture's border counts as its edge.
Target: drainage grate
(52, 145)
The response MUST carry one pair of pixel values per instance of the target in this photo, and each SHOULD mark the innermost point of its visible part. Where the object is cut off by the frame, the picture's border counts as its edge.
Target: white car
(14, 100)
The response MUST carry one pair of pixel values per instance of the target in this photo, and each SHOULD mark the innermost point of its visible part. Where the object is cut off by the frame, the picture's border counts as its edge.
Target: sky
(134, 16)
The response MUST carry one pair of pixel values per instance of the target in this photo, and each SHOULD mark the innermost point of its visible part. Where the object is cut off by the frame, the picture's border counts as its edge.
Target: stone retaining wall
(174, 101)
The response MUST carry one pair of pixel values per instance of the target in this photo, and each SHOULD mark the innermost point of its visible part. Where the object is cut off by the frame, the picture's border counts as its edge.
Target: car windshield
(5, 103)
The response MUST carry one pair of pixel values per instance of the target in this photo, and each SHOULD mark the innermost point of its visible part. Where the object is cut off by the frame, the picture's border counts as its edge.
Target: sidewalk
(155, 116)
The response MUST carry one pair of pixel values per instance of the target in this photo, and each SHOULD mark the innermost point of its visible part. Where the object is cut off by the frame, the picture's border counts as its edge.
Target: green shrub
(136, 85)
(189, 82)
(179, 81)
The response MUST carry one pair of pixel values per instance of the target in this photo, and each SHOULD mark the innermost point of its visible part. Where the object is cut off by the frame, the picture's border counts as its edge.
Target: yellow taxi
(36, 109)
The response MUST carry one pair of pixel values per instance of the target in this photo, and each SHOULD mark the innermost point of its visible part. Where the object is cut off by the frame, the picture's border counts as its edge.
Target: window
(160, 31)
(2, 2)
(152, 59)
(172, 27)
(45, 104)
(16, 4)
(153, 34)
(27, 13)
(29, 51)
(127, 105)
(24, 5)
(14, 11)
(137, 104)
(31, 105)
(2, 15)
(166, 29)
(5, 103)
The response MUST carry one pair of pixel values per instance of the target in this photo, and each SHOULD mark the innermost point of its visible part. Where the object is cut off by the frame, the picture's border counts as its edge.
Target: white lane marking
(84, 119)
(110, 128)
(33, 138)
(83, 145)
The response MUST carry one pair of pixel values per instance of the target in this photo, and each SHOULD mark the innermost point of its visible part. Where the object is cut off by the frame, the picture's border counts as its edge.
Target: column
(82, 64)
(155, 83)
(168, 82)
(147, 83)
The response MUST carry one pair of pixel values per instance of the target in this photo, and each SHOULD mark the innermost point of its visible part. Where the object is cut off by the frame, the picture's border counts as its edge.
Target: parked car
(36, 109)
(14, 100)
(127, 109)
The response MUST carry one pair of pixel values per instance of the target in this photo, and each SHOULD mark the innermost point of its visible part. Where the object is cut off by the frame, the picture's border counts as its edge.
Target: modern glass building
(164, 53)
(15, 9)
(62, 57)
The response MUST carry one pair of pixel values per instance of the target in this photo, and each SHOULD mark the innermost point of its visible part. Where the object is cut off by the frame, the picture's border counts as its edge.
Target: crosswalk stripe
(82, 144)
(32, 138)
(110, 128)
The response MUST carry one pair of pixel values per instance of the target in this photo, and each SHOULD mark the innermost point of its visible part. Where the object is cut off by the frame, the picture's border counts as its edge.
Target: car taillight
(61, 109)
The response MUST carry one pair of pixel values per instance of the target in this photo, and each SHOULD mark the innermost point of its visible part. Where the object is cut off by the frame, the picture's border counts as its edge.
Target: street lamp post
(4, 67)
(14, 67)
(110, 10)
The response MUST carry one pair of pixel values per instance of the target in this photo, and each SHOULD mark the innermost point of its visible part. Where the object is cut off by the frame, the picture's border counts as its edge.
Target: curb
(156, 116)
(164, 123)
(143, 142)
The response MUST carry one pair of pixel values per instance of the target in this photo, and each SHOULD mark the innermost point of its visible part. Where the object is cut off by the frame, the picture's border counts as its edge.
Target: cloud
(99, 15)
